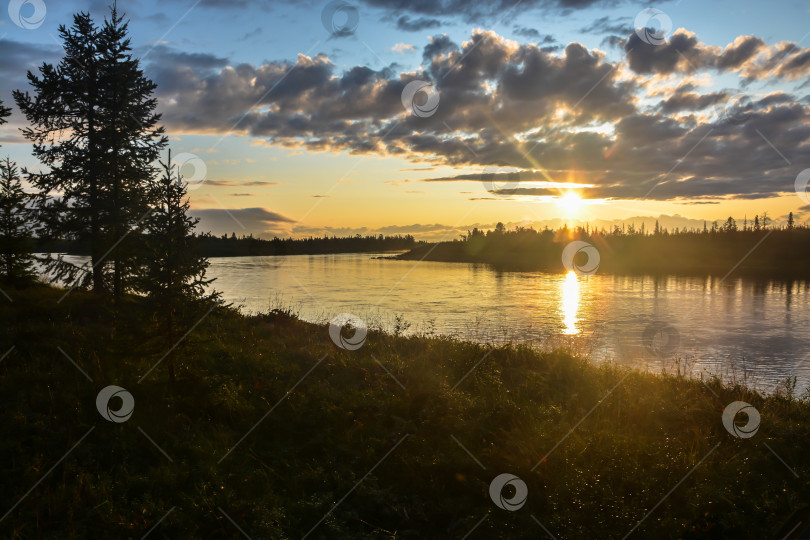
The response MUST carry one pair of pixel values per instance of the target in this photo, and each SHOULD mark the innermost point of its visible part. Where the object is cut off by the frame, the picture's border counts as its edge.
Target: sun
(570, 202)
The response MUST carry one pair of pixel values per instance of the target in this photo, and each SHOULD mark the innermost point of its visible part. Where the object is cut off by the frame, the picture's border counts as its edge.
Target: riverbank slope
(273, 429)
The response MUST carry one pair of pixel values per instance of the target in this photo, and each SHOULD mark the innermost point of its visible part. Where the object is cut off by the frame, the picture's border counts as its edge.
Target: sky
(430, 117)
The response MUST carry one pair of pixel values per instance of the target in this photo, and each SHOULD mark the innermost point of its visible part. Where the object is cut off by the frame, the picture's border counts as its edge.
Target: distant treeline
(757, 249)
(232, 246)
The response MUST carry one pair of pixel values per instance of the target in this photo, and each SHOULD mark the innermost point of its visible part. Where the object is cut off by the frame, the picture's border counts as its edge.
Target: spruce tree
(16, 262)
(93, 127)
(132, 140)
(5, 112)
(173, 272)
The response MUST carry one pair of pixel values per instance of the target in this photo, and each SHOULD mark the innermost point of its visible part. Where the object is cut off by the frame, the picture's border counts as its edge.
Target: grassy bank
(399, 439)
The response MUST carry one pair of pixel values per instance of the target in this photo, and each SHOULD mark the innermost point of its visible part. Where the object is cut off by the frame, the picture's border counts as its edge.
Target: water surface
(744, 329)
(754, 331)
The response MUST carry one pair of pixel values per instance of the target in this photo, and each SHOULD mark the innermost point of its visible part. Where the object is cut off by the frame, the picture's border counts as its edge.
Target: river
(752, 331)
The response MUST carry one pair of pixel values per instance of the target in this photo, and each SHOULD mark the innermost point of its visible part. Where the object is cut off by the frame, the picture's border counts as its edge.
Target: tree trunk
(170, 335)
(95, 227)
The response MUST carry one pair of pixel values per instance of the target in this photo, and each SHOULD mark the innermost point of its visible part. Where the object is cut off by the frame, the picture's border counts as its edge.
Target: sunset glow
(298, 128)
(570, 203)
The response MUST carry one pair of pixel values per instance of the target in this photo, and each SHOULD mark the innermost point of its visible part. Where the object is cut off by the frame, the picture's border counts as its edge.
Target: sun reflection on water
(570, 304)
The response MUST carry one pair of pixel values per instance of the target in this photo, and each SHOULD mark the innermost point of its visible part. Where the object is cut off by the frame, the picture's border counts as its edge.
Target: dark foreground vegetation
(262, 427)
(317, 443)
(748, 250)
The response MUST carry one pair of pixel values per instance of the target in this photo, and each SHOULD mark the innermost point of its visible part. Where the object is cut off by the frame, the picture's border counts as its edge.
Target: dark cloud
(240, 183)
(303, 230)
(691, 101)
(747, 55)
(241, 220)
(508, 104)
(681, 52)
(415, 228)
(526, 32)
(492, 88)
(472, 11)
(415, 25)
(438, 45)
(485, 11)
(609, 25)
(18, 57)
(738, 53)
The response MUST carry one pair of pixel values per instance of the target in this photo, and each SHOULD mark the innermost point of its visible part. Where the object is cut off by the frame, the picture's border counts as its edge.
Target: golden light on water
(570, 303)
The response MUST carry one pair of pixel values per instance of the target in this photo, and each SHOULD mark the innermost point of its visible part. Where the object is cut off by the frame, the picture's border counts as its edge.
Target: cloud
(303, 230)
(256, 32)
(407, 24)
(491, 11)
(568, 114)
(403, 48)
(748, 56)
(467, 10)
(17, 59)
(609, 25)
(691, 101)
(256, 221)
(525, 31)
(240, 183)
